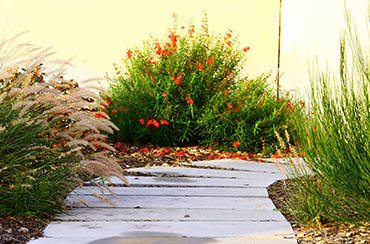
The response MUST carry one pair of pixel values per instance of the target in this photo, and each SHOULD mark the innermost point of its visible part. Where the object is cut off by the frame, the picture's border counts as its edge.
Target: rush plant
(335, 139)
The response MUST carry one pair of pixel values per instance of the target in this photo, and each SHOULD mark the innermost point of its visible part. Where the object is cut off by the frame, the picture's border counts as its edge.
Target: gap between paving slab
(207, 206)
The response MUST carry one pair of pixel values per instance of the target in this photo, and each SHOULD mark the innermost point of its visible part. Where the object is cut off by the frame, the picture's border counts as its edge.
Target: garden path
(227, 204)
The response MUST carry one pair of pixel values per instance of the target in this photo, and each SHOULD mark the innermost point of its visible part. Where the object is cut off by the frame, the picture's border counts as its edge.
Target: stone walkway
(178, 205)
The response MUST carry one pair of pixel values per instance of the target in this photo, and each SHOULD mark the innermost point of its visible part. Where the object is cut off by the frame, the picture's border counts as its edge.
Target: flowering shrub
(246, 117)
(46, 123)
(173, 92)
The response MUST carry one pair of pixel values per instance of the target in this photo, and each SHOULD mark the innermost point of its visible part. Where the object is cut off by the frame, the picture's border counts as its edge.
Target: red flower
(155, 123)
(182, 27)
(210, 60)
(114, 111)
(200, 67)
(281, 99)
(160, 153)
(230, 105)
(108, 102)
(104, 98)
(164, 94)
(177, 80)
(226, 93)
(149, 122)
(129, 54)
(233, 77)
(164, 122)
(236, 144)
(142, 121)
(228, 72)
(154, 62)
(121, 108)
(246, 49)
(98, 115)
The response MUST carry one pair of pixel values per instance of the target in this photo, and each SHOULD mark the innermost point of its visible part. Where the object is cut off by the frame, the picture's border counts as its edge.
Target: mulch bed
(17, 231)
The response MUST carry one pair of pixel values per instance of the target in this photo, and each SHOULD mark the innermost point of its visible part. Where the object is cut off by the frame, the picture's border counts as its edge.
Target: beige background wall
(98, 32)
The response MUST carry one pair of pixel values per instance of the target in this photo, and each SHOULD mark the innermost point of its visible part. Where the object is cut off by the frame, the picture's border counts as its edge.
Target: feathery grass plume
(49, 157)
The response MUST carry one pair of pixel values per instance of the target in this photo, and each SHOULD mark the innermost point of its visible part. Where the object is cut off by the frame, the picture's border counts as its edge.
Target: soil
(17, 231)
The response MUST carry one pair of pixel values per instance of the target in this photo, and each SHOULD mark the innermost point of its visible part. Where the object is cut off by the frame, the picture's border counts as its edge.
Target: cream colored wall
(310, 31)
(98, 33)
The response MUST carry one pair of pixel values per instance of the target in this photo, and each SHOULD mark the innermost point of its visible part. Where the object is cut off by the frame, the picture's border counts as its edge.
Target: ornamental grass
(46, 125)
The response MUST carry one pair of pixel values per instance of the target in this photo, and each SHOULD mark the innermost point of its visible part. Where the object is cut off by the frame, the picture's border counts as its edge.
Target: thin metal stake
(278, 64)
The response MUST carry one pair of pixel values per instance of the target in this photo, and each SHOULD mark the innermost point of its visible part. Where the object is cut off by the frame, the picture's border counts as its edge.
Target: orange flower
(129, 54)
(177, 80)
(210, 60)
(236, 144)
(149, 122)
(155, 123)
(98, 115)
(164, 94)
(164, 122)
(190, 101)
(246, 49)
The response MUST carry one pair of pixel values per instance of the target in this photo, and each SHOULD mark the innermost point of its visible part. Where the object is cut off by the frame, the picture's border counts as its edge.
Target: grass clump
(46, 124)
(189, 89)
(335, 139)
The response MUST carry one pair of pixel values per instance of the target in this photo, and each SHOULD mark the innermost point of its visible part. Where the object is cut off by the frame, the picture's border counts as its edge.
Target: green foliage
(248, 115)
(335, 140)
(188, 89)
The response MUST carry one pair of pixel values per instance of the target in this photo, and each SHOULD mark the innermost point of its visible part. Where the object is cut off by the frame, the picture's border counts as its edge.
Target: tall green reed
(335, 139)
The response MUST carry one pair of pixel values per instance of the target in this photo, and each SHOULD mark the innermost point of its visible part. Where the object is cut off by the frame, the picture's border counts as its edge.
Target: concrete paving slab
(137, 181)
(196, 172)
(175, 202)
(208, 229)
(226, 208)
(242, 165)
(168, 214)
(164, 240)
(176, 191)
